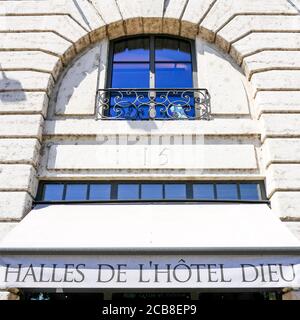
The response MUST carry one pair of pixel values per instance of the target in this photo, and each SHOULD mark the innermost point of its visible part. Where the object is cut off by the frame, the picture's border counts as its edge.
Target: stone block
(110, 13)
(43, 41)
(87, 127)
(23, 103)
(281, 151)
(18, 177)
(194, 13)
(277, 102)
(141, 16)
(98, 34)
(14, 205)
(286, 204)
(86, 14)
(63, 25)
(242, 25)
(89, 20)
(259, 41)
(30, 60)
(173, 11)
(268, 60)
(19, 151)
(276, 80)
(26, 80)
(18, 126)
(280, 125)
(282, 177)
(94, 157)
(224, 10)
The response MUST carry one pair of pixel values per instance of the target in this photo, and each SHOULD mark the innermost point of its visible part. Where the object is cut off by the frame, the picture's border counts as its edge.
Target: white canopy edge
(114, 227)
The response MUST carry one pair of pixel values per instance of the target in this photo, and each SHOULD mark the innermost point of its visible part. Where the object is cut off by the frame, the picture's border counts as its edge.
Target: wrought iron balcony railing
(153, 104)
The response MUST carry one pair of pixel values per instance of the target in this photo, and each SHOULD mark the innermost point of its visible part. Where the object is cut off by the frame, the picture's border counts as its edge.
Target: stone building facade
(54, 56)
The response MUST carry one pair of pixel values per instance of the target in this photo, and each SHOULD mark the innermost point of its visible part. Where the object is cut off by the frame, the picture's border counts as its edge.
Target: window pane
(76, 192)
(173, 75)
(152, 191)
(132, 50)
(128, 191)
(100, 191)
(172, 50)
(249, 191)
(227, 191)
(175, 191)
(130, 75)
(53, 192)
(203, 191)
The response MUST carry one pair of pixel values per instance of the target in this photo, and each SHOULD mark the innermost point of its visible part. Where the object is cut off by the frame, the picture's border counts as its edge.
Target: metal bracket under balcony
(153, 104)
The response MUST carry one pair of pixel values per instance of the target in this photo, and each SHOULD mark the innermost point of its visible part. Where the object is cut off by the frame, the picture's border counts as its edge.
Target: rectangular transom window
(151, 191)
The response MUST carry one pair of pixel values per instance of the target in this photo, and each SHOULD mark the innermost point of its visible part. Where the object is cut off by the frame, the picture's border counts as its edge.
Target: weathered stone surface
(85, 13)
(259, 41)
(95, 156)
(173, 10)
(18, 177)
(61, 24)
(267, 60)
(110, 13)
(17, 126)
(131, 13)
(224, 10)
(282, 177)
(75, 127)
(5, 228)
(242, 25)
(89, 20)
(194, 13)
(152, 12)
(137, 14)
(44, 41)
(23, 151)
(281, 151)
(23, 102)
(30, 60)
(25, 80)
(277, 101)
(286, 204)
(218, 74)
(275, 125)
(276, 80)
(14, 205)
(103, 63)
(77, 90)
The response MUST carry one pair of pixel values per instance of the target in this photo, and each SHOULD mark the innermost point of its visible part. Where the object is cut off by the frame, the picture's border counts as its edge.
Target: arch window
(151, 77)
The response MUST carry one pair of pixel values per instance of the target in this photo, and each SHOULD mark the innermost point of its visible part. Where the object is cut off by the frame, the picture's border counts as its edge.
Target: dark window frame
(152, 57)
(189, 190)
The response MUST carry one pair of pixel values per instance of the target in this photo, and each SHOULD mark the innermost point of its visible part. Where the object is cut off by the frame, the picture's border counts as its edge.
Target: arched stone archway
(38, 40)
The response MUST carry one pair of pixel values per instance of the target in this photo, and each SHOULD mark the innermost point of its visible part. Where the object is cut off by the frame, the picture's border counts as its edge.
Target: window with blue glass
(151, 191)
(149, 78)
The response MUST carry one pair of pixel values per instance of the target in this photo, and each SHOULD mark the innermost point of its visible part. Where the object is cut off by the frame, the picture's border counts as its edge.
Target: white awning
(245, 240)
(156, 226)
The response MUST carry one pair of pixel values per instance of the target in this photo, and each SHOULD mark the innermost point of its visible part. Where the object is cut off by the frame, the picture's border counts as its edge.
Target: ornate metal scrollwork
(153, 104)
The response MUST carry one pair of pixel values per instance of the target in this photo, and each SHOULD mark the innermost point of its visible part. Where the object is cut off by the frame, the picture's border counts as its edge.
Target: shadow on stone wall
(11, 90)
